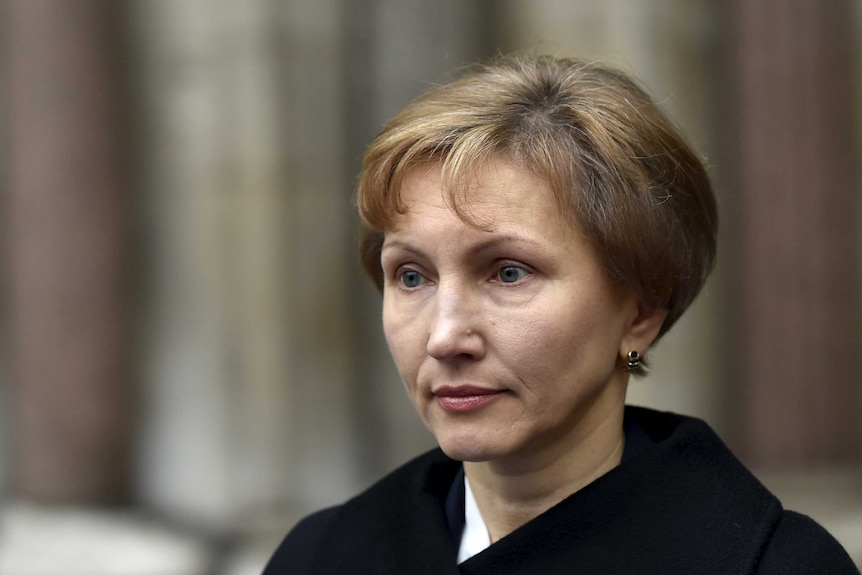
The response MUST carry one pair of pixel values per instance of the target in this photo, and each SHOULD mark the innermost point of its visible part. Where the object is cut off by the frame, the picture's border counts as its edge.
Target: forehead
(494, 194)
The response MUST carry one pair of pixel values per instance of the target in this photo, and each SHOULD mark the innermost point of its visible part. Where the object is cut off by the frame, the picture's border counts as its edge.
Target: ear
(643, 330)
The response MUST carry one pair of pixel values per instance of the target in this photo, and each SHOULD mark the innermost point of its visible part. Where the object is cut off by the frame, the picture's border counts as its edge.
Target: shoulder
(727, 503)
(377, 514)
(800, 546)
(296, 552)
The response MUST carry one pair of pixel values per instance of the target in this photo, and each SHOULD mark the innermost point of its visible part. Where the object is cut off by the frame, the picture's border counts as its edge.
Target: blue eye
(410, 278)
(511, 274)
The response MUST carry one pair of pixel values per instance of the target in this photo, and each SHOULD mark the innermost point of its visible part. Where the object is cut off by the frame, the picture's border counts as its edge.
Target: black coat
(682, 505)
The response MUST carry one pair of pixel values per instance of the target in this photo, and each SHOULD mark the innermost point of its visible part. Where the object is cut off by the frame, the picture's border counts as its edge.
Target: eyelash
(401, 272)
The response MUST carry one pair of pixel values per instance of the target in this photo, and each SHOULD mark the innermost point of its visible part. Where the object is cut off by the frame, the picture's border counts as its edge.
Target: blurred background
(191, 358)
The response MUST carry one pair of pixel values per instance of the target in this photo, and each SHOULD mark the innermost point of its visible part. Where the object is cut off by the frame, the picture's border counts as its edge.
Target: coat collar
(682, 505)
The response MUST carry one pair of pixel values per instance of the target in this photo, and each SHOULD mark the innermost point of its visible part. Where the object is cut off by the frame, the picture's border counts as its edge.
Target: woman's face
(509, 340)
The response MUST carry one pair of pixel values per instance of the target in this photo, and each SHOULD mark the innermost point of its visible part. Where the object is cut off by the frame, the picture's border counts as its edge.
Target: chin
(470, 439)
(468, 449)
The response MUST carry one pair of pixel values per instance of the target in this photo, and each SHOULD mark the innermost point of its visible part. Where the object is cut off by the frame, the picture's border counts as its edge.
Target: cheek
(403, 341)
(556, 345)
(534, 346)
(391, 321)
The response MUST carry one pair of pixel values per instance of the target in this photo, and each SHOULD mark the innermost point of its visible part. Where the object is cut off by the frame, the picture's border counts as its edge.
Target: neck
(511, 493)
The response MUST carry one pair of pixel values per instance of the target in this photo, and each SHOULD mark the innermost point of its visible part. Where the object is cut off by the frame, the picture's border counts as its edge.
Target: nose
(455, 330)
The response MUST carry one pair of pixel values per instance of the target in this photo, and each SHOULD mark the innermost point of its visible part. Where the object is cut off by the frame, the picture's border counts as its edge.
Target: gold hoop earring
(634, 361)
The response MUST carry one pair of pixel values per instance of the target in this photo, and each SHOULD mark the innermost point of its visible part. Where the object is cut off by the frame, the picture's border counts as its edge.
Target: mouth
(465, 398)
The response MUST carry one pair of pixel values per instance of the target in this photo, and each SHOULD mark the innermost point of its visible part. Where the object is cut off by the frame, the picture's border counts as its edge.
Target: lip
(465, 398)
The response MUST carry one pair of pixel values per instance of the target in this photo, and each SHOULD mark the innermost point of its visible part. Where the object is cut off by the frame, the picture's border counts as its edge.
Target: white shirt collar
(475, 537)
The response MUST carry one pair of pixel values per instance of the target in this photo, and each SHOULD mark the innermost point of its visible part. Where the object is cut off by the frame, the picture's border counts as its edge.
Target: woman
(534, 227)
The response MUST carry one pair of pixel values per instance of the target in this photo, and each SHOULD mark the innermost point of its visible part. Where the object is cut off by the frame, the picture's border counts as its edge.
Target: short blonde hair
(618, 167)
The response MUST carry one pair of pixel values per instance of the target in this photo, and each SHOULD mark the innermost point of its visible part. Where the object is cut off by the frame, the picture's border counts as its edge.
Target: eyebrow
(402, 245)
(476, 248)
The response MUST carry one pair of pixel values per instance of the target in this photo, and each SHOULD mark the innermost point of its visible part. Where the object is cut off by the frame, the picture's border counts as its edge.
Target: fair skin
(509, 339)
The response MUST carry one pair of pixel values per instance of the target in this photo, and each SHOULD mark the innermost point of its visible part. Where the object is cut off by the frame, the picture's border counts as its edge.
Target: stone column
(68, 252)
(249, 367)
(791, 67)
